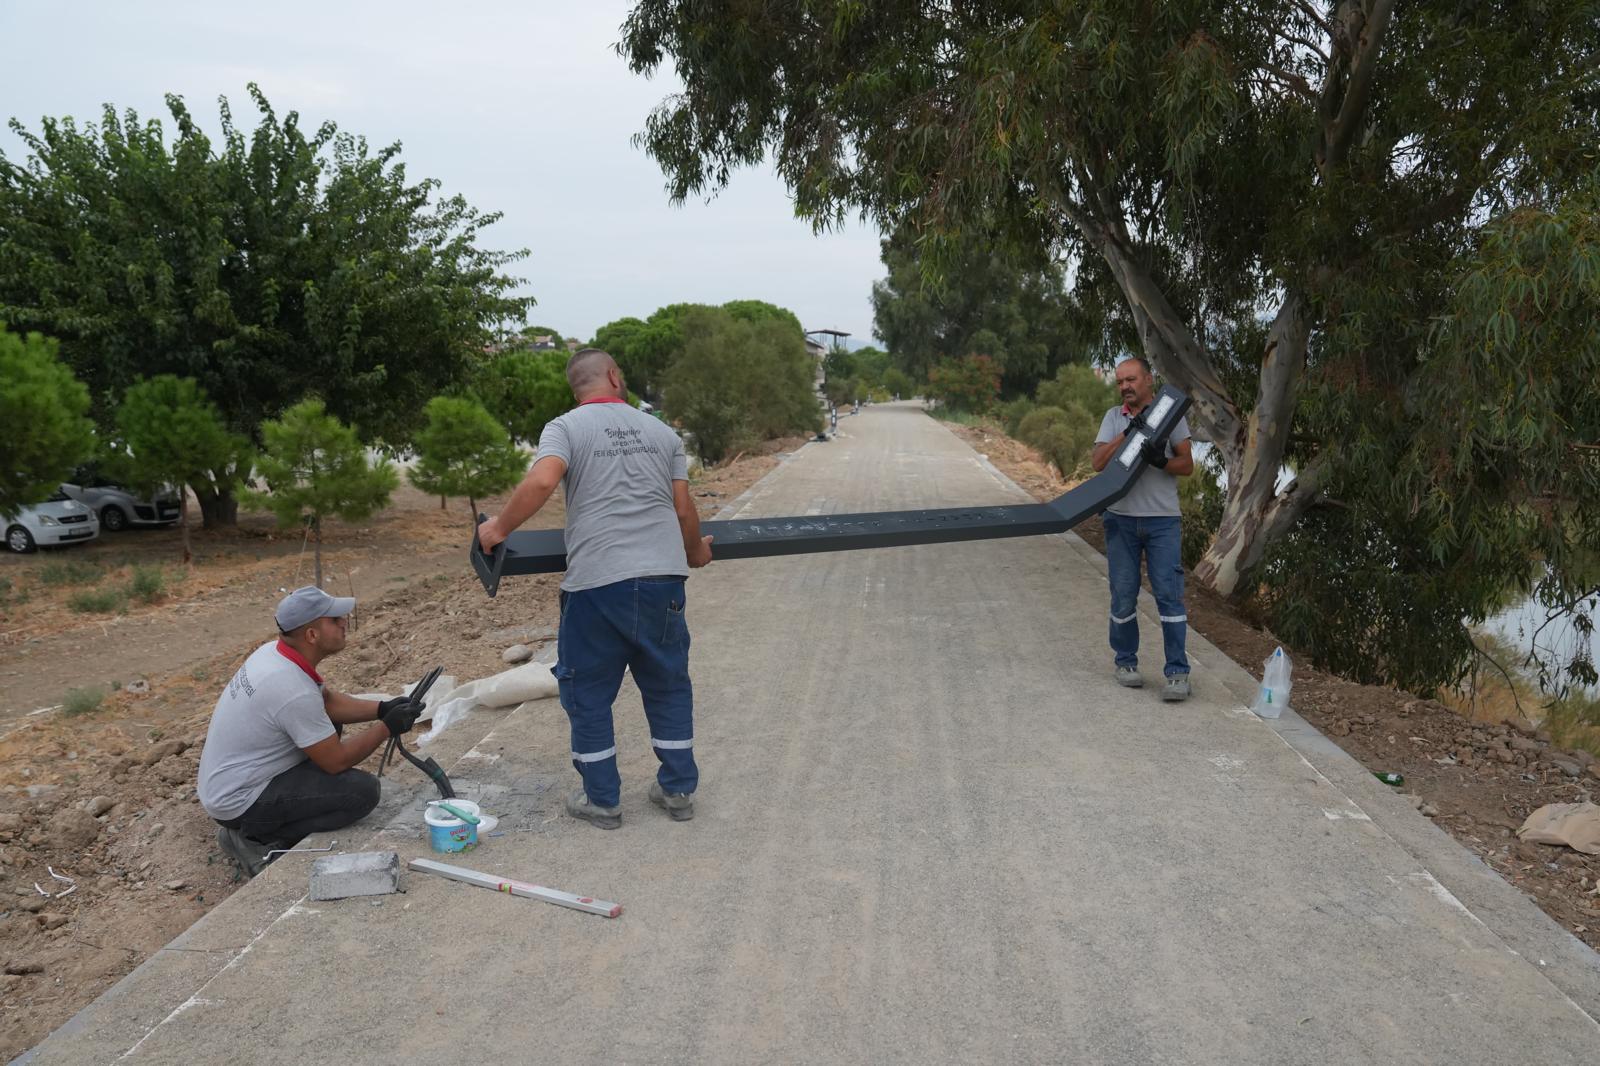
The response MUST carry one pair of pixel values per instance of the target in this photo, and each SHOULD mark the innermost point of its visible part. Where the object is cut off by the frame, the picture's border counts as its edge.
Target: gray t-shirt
(270, 711)
(1155, 493)
(621, 522)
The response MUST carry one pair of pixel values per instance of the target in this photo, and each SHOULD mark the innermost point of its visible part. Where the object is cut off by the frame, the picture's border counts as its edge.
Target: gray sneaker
(1129, 677)
(578, 806)
(249, 855)
(1177, 689)
(678, 804)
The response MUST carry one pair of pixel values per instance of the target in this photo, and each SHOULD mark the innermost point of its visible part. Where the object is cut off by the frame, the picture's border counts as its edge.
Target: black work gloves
(399, 714)
(1154, 454)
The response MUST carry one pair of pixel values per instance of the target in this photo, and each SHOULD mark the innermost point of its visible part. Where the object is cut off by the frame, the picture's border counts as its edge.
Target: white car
(58, 520)
(118, 507)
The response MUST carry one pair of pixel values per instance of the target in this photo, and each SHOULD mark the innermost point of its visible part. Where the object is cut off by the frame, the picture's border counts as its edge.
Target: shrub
(148, 585)
(1063, 436)
(69, 572)
(1077, 384)
(739, 381)
(1012, 413)
(97, 601)
(82, 701)
(1200, 499)
(969, 384)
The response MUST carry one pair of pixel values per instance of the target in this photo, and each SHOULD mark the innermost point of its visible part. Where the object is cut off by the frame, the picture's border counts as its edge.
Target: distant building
(544, 343)
(819, 351)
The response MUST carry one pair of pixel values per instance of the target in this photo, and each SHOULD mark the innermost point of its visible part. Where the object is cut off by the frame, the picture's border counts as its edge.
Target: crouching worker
(276, 766)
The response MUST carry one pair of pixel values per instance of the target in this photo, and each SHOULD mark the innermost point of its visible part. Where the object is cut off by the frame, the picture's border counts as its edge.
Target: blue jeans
(1161, 542)
(635, 625)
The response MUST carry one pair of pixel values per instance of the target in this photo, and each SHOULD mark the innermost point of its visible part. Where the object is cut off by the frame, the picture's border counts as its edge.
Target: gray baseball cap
(308, 604)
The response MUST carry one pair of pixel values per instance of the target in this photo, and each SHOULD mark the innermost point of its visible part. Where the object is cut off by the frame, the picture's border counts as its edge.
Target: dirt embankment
(107, 797)
(1479, 780)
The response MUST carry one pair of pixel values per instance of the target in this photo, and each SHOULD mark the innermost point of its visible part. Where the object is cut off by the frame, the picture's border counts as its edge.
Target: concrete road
(931, 829)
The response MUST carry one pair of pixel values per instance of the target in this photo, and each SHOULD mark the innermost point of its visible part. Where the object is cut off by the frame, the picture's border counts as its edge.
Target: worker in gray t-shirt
(1145, 522)
(275, 766)
(632, 535)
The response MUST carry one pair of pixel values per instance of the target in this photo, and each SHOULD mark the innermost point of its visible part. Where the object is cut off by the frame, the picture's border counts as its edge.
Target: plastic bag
(1273, 695)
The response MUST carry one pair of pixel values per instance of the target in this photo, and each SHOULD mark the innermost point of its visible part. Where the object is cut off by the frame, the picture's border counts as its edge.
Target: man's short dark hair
(586, 366)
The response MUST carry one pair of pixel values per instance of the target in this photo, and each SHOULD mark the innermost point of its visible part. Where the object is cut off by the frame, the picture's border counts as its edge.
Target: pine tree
(314, 467)
(464, 451)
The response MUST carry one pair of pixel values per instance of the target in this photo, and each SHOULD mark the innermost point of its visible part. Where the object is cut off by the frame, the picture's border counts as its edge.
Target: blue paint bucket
(448, 833)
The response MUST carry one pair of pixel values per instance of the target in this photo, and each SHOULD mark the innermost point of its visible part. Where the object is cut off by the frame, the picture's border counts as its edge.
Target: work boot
(1177, 689)
(578, 806)
(1129, 677)
(678, 804)
(249, 855)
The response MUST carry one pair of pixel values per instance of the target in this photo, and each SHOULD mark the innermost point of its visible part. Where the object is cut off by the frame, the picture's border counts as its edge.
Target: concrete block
(365, 873)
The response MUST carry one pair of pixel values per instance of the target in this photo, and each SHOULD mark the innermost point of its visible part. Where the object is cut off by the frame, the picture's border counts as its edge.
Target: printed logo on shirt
(241, 680)
(625, 442)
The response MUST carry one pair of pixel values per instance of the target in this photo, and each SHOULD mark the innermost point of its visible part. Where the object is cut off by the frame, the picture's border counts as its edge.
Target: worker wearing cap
(632, 536)
(276, 766)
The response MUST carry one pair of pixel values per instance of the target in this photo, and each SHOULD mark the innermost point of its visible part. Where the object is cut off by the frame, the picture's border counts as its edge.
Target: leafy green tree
(898, 383)
(1012, 305)
(739, 381)
(971, 384)
(1270, 199)
(269, 264)
(315, 466)
(170, 433)
(646, 348)
(43, 408)
(464, 451)
(524, 390)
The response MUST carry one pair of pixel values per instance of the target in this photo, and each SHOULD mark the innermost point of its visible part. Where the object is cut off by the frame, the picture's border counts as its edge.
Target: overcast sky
(522, 108)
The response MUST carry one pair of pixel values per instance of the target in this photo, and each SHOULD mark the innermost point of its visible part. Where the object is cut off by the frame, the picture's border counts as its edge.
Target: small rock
(1570, 767)
(1429, 810)
(139, 687)
(176, 886)
(51, 920)
(74, 829)
(10, 823)
(1505, 755)
(143, 866)
(517, 653)
(33, 905)
(100, 805)
(163, 750)
(1340, 728)
(1521, 743)
(22, 966)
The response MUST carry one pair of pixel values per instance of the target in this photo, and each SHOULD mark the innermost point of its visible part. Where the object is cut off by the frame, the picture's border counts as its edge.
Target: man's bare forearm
(346, 710)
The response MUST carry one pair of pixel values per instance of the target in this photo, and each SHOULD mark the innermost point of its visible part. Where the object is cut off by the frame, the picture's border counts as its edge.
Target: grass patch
(98, 601)
(82, 701)
(200, 673)
(149, 584)
(72, 572)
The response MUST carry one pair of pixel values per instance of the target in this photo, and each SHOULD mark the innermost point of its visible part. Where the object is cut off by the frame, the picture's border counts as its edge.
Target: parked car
(119, 507)
(58, 520)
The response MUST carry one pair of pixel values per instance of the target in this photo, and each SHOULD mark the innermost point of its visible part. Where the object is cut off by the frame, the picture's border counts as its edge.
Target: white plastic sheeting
(447, 705)
(447, 702)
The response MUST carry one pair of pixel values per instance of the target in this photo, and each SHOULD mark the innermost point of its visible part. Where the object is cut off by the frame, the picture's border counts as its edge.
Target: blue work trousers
(1160, 542)
(635, 625)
